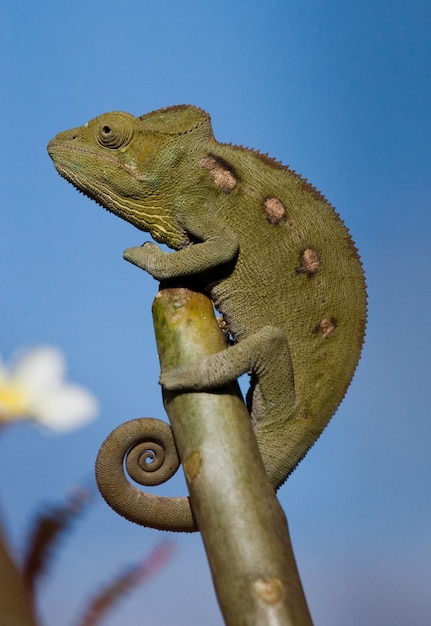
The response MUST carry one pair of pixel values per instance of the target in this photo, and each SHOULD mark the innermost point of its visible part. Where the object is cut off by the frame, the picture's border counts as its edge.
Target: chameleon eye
(114, 131)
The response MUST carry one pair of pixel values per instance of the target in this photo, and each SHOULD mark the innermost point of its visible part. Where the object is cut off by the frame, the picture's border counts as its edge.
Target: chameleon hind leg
(265, 354)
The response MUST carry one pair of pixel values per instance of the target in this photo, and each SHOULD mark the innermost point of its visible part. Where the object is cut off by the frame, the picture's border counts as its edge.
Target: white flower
(34, 387)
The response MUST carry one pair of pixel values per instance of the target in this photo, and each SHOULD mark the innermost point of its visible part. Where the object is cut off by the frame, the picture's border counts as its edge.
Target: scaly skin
(271, 252)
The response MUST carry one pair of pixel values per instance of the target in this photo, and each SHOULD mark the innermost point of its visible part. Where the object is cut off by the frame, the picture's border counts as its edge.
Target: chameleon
(271, 252)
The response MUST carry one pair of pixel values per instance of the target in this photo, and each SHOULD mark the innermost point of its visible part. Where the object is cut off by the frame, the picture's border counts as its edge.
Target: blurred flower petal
(66, 408)
(40, 369)
(33, 387)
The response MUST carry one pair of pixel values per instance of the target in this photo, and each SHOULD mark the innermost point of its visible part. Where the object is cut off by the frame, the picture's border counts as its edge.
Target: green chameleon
(274, 256)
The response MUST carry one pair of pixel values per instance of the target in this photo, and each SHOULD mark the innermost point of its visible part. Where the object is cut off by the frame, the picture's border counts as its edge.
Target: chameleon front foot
(150, 258)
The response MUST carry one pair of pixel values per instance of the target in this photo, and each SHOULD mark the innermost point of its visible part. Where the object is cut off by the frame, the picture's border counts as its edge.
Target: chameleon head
(119, 161)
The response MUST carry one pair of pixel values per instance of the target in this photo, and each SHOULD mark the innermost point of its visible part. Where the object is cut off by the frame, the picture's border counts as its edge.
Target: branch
(243, 526)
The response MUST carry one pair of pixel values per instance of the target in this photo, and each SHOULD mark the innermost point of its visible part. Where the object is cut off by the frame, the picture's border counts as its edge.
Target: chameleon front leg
(217, 246)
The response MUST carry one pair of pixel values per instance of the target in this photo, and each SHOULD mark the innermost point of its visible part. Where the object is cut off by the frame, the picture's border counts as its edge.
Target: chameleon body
(274, 256)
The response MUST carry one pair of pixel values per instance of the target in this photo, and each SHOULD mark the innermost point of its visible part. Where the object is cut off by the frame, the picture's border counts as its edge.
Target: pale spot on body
(220, 173)
(327, 327)
(275, 210)
(309, 262)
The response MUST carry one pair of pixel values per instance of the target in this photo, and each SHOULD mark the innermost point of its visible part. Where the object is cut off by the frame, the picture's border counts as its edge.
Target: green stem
(243, 527)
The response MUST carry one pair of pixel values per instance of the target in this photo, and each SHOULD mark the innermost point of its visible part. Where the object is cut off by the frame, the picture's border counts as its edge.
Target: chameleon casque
(274, 256)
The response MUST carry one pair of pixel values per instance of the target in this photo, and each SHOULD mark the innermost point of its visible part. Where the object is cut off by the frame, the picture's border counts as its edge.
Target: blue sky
(341, 92)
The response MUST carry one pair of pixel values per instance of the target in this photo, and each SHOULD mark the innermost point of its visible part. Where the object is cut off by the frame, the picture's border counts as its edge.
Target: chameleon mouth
(146, 218)
(69, 175)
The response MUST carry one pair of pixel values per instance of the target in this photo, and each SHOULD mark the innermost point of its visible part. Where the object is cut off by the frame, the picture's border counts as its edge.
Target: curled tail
(146, 448)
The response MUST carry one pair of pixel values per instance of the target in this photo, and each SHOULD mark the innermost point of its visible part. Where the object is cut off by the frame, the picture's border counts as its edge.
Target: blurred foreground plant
(33, 387)
(119, 587)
